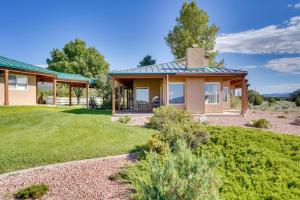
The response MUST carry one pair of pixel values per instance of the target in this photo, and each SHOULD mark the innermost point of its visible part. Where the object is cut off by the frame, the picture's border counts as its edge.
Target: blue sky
(262, 37)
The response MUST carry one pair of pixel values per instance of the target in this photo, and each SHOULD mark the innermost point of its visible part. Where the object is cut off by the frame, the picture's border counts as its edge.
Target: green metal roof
(175, 68)
(18, 65)
(67, 76)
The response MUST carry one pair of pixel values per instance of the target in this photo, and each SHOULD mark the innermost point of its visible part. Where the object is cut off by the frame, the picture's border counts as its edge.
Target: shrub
(34, 191)
(235, 102)
(257, 164)
(174, 125)
(260, 123)
(282, 117)
(125, 119)
(179, 175)
(257, 100)
(297, 102)
(167, 114)
(296, 122)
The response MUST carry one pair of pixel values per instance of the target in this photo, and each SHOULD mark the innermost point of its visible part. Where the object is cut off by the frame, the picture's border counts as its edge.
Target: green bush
(174, 125)
(296, 122)
(257, 100)
(235, 102)
(256, 164)
(179, 175)
(166, 114)
(282, 117)
(297, 102)
(260, 123)
(124, 119)
(34, 192)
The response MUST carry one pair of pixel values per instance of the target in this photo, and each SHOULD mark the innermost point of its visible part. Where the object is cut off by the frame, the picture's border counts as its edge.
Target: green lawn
(33, 136)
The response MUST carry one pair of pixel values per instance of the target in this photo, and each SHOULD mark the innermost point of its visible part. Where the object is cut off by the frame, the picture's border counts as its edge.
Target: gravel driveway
(278, 125)
(87, 179)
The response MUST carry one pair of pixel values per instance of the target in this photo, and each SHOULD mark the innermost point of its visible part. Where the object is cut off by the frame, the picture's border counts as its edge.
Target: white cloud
(42, 65)
(283, 38)
(287, 65)
(249, 67)
(283, 88)
(297, 5)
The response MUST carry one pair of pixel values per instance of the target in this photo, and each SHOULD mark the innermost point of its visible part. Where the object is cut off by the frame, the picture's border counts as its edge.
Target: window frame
(142, 88)
(16, 85)
(184, 91)
(228, 95)
(219, 86)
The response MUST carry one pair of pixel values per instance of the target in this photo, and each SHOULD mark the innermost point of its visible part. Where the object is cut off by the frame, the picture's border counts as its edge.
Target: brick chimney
(196, 57)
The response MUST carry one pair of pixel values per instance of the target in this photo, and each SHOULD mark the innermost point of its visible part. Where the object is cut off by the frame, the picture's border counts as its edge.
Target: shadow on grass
(82, 111)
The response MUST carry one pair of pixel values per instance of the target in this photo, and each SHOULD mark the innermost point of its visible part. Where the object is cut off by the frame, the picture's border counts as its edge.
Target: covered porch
(139, 95)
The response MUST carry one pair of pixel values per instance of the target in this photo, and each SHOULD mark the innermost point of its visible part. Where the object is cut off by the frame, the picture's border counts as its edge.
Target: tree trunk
(78, 92)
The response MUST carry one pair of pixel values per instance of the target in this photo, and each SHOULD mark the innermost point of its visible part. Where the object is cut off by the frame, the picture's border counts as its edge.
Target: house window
(226, 94)
(212, 93)
(18, 82)
(142, 95)
(176, 93)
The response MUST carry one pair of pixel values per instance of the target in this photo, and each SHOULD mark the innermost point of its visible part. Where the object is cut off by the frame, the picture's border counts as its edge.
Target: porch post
(54, 91)
(119, 96)
(70, 94)
(113, 100)
(6, 98)
(243, 99)
(167, 90)
(87, 94)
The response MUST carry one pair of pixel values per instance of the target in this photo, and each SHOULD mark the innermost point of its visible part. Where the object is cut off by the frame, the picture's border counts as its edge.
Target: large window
(18, 82)
(226, 94)
(176, 93)
(212, 93)
(142, 95)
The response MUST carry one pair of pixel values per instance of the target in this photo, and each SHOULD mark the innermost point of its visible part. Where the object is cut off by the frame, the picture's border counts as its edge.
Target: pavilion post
(113, 96)
(119, 96)
(87, 94)
(70, 94)
(6, 98)
(123, 97)
(54, 91)
(37, 90)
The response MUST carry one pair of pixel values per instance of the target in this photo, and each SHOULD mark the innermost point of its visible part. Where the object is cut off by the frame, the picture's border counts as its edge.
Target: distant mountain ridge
(277, 95)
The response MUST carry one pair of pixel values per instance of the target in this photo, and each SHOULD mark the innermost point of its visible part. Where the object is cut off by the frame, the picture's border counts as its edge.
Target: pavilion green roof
(21, 66)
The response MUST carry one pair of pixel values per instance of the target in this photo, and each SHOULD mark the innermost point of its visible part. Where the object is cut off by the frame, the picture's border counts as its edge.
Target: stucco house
(19, 82)
(188, 83)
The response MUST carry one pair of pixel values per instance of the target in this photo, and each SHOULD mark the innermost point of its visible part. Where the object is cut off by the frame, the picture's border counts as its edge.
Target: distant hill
(282, 95)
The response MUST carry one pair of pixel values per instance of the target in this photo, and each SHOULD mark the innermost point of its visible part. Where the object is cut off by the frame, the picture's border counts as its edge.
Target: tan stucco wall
(195, 95)
(152, 84)
(20, 97)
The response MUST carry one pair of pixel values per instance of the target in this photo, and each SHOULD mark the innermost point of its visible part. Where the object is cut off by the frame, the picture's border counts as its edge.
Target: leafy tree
(192, 28)
(76, 57)
(295, 95)
(147, 60)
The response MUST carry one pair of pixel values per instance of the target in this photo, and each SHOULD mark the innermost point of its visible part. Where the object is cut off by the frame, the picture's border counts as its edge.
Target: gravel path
(86, 179)
(278, 125)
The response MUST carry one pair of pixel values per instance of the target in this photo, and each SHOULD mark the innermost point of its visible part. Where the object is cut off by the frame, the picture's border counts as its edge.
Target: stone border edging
(51, 166)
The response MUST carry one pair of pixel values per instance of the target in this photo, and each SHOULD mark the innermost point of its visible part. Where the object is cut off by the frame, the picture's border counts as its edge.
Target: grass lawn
(35, 135)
